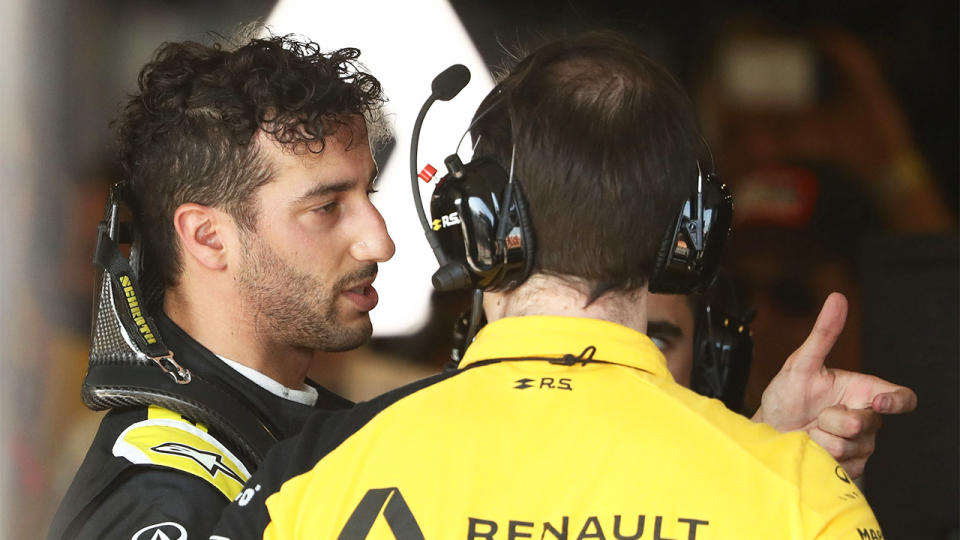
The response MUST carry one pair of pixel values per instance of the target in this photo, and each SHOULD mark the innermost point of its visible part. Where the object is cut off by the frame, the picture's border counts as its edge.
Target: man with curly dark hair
(249, 172)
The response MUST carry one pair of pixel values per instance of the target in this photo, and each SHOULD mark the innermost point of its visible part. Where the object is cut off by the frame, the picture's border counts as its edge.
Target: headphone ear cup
(462, 206)
(660, 280)
(683, 264)
(718, 204)
(528, 238)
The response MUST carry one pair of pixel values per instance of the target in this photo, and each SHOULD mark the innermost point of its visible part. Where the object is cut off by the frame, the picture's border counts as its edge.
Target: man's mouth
(359, 288)
(363, 296)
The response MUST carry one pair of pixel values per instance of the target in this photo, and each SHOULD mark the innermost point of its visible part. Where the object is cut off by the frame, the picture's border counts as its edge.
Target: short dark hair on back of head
(606, 152)
(188, 134)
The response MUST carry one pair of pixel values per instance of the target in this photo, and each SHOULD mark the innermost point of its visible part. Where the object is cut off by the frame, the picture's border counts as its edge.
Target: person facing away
(562, 420)
(249, 175)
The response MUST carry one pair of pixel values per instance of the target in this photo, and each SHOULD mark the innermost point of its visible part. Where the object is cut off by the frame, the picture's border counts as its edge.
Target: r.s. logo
(448, 220)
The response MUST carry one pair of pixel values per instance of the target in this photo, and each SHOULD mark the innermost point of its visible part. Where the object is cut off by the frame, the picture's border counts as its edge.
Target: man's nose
(374, 243)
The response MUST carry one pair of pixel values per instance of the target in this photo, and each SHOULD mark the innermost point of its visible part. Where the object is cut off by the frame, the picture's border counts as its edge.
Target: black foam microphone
(450, 82)
(445, 86)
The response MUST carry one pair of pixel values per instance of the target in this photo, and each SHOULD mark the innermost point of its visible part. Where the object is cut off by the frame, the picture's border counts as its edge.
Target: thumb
(896, 401)
(814, 350)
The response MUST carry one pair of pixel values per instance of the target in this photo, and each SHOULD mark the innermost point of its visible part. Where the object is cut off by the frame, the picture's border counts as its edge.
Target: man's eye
(328, 208)
(659, 342)
(371, 191)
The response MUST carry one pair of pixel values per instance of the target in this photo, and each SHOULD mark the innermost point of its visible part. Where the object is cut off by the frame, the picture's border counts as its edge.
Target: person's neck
(226, 329)
(566, 297)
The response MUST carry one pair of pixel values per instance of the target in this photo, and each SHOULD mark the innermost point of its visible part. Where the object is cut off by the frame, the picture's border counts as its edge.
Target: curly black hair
(187, 135)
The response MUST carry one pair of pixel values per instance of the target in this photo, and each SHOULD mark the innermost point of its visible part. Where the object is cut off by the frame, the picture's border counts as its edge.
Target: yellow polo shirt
(602, 445)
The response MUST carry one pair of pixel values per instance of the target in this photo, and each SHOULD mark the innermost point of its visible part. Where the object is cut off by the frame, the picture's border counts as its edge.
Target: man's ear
(201, 231)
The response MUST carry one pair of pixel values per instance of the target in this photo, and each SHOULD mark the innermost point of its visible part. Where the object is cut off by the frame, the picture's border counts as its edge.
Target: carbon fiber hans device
(129, 365)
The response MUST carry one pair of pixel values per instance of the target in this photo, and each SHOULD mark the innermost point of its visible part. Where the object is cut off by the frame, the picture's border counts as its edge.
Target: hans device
(131, 366)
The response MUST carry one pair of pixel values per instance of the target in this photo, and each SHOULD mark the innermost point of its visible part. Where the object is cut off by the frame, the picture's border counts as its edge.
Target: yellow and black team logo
(543, 382)
(390, 503)
(167, 439)
(211, 462)
(135, 312)
(524, 383)
(448, 220)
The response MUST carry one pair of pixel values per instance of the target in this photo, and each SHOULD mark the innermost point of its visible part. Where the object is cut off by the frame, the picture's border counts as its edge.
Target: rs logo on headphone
(448, 220)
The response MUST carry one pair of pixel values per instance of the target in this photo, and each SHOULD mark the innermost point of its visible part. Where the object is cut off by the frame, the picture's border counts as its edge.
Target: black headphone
(481, 232)
(690, 251)
(722, 343)
(480, 217)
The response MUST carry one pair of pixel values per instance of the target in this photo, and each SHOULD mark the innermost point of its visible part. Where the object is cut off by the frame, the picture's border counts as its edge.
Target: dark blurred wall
(911, 335)
(917, 43)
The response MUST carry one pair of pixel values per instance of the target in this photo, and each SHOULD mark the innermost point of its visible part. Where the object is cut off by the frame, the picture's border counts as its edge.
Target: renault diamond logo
(395, 512)
(842, 474)
(167, 530)
(523, 383)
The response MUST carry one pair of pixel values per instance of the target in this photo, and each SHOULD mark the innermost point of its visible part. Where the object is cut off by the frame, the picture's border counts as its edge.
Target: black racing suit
(155, 474)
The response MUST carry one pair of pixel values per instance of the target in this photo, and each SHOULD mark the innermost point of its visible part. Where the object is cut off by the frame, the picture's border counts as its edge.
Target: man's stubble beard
(293, 308)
